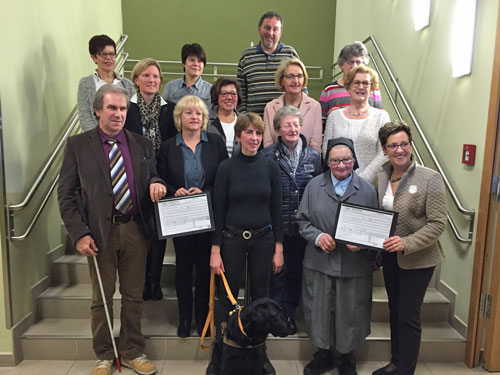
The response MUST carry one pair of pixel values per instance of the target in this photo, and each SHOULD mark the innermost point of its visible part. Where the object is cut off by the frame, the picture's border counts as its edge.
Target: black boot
(214, 365)
(184, 329)
(157, 253)
(322, 362)
(146, 292)
(347, 364)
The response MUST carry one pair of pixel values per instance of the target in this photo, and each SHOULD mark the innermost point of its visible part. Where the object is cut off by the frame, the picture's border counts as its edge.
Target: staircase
(63, 328)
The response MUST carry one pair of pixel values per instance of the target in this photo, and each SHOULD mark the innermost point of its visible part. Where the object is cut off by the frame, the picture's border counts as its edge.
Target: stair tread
(84, 291)
(62, 328)
(79, 259)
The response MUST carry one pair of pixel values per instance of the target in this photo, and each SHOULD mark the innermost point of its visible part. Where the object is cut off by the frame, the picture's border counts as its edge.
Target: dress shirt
(193, 169)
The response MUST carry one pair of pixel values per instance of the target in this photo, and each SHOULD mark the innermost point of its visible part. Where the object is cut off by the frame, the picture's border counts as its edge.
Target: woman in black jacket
(188, 163)
(151, 116)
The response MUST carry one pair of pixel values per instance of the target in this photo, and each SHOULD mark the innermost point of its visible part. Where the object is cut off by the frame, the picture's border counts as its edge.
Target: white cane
(107, 314)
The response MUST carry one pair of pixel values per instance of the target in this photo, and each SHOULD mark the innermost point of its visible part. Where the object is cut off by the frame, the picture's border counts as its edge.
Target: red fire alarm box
(469, 154)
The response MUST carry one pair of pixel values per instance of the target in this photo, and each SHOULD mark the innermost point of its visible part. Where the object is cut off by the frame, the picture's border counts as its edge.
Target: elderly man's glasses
(361, 83)
(336, 162)
(393, 146)
(111, 55)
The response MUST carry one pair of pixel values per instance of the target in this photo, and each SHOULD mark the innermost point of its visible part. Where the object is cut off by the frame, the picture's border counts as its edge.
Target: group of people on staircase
(277, 165)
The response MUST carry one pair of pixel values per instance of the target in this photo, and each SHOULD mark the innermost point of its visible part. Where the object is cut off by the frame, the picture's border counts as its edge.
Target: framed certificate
(180, 216)
(362, 226)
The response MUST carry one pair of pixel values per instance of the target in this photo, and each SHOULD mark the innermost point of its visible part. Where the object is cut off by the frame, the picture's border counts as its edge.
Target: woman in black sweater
(247, 209)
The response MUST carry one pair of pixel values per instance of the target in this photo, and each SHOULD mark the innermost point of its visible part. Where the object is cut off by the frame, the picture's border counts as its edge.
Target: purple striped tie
(121, 192)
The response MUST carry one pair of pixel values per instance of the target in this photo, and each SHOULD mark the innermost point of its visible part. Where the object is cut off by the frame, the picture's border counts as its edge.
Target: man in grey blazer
(115, 223)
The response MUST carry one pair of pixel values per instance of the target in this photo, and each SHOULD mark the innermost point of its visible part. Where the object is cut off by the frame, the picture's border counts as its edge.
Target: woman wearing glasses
(334, 95)
(226, 95)
(103, 52)
(360, 122)
(417, 193)
(337, 277)
(298, 163)
(291, 77)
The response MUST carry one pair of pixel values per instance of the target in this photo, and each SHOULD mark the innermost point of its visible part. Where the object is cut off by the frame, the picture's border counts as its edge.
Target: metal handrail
(50, 161)
(235, 65)
(470, 213)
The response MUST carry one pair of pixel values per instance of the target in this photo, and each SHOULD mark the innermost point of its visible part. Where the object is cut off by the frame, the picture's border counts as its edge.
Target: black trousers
(235, 252)
(192, 251)
(286, 285)
(406, 291)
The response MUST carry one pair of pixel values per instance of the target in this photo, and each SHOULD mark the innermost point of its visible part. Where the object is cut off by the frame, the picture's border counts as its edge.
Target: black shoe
(292, 327)
(322, 362)
(347, 364)
(146, 292)
(156, 293)
(385, 371)
(184, 329)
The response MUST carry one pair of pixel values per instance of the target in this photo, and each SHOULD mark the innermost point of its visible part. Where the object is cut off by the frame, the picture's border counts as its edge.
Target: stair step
(73, 269)
(69, 339)
(74, 300)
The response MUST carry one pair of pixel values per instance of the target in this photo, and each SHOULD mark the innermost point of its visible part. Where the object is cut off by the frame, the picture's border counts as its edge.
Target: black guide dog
(244, 354)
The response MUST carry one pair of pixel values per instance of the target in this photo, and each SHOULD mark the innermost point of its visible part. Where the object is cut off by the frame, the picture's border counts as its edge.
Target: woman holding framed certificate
(247, 211)
(418, 194)
(188, 163)
(337, 277)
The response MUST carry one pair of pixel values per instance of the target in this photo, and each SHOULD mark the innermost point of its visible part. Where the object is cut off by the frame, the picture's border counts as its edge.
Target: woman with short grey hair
(298, 164)
(334, 94)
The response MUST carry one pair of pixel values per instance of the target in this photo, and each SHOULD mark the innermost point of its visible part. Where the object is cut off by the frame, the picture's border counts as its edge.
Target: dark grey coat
(316, 215)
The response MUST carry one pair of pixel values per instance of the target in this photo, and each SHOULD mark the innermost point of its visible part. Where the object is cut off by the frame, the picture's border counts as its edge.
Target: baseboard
(32, 317)
(451, 295)
(7, 360)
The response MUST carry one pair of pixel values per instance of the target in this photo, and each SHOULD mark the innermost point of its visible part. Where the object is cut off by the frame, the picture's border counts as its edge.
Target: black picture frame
(367, 226)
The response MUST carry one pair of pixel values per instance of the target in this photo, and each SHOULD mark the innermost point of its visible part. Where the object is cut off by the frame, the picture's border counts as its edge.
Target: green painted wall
(45, 53)
(225, 27)
(452, 111)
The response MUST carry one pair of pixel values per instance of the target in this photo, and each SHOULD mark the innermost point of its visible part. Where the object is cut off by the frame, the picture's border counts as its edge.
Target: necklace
(227, 119)
(360, 113)
(396, 179)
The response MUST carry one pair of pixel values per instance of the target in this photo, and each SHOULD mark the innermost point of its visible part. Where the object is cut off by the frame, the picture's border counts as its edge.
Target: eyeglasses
(336, 162)
(288, 126)
(393, 146)
(355, 62)
(226, 94)
(359, 83)
(292, 76)
(111, 55)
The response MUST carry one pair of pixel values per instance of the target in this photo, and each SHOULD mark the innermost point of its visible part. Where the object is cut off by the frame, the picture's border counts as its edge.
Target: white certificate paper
(364, 226)
(185, 215)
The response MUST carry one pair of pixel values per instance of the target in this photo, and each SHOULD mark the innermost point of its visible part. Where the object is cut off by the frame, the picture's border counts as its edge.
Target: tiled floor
(30, 367)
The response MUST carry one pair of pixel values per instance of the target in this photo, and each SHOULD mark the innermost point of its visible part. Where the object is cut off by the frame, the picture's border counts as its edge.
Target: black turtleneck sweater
(247, 195)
